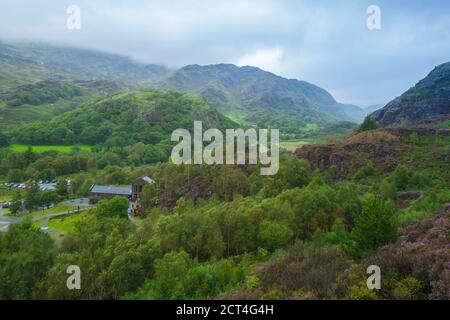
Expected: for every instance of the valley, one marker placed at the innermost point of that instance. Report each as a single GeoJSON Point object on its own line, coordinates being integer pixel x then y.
{"type": "Point", "coordinates": [87, 179]}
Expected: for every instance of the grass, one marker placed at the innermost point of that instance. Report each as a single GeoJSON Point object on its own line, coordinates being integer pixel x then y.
{"type": "Point", "coordinates": [56, 209]}
{"type": "Point", "coordinates": [40, 149]}
{"type": "Point", "coordinates": [292, 145]}
{"type": "Point", "coordinates": [431, 203]}
{"type": "Point", "coordinates": [67, 224]}
{"type": "Point", "coordinates": [7, 194]}
{"type": "Point", "coordinates": [37, 223]}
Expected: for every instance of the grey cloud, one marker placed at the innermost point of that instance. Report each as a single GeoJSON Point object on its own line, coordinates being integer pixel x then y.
{"type": "Point", "coordinates": [324, 42]}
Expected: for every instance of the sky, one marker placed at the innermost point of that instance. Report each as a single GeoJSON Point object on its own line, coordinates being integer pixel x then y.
{"type": "Point", "coordinates": [324, 42]}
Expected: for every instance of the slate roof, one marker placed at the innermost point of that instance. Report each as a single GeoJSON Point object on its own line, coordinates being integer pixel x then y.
{"type": "Point", "coordinates": [125, 191]}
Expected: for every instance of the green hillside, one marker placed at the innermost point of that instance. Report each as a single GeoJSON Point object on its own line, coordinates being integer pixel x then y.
{"type": "Point", "coordinates": [253, 96]}
{"type": "Point", "coordinates": [42, 100]}
{"type": "Point", "coordinates": [24, 63]}
{"type": "Point", "coordinates": [246, 95]}
{"type": "Point", "coordinates": [124, 119]}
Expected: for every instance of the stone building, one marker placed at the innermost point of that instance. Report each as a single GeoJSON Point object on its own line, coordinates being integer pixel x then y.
{"type": "Point", "coordinates": [99, 192]}
{"type": "Point", "coordinates": [132, 192]}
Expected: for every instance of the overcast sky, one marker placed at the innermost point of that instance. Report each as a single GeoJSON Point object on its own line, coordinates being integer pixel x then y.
{"type": "Point", "coordinates": [324, 42]}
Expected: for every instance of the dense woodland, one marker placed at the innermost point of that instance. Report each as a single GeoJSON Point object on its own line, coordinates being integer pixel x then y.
{"type": "Point", "coordinates": [212, 231]}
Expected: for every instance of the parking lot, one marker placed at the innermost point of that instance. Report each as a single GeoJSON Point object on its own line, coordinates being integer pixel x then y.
{"type": "Point", "coordinates": [43, 185]}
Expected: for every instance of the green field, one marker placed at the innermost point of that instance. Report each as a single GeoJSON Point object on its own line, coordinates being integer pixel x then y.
{"type": "Point", "coordinates": [56, 209]}
{"type": "Point", "coordinates": [66, 224]}
{"type": "Point", "coordinates": [292, 145]}
{"type": "Point", "coordinates": [40, 149]}
{"type": "Point", "coordinates": [6, 194]}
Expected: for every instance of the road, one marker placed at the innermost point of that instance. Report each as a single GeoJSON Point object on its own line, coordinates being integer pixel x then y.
{"type": "Point", "coordinates": [6, 221]}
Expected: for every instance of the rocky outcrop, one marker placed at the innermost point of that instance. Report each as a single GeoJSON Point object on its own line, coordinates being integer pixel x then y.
{"type": "Point", "coordinates": [380, 147]}
{"type": "Point", "coordinates": [383, 147]}
{"type": "Point", "coordinates": [429, 98]}
{"type": "Point", "coordinates": [420, 131]}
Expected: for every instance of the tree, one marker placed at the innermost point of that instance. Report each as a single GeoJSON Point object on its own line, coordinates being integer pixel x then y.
{"type": "Point", "coordinates": [65, 165]}
{"type": "Point", "coordinates": [30, 156]}
{"type": "Point", "coordinates": [368, 125]}
{"type": "Point", "coordinates": [26, 255]}
{"type": "Point", "coordinates": [48, 174]}
{"type": "Point", "coordinates": [296, 173]}
{"type": "Point", "coordinates": [136, 154]}
{"type": "Point", "coordinates": [48, 197]}
{"type": "Point", "coordinates": [16, 175]}
{"type": "Point", "coordinates": [16, 203]}
{"type": "Point", "coordinates": [110, 253]}
{"type": "Point", "coordinates": [117, 206]}
{"type": "Point", "coordinates": [32, 197]}
{"type": "Point", "coordinates": [169, 273]}
{"type": "Point", "coordinates": [76, 185]}
{"type": "Point", "coordinates": [149, 195]}
{"type": "Point", "coordinates": [4, 141]}
{"type": "Point", "coordinates": [274, 235]}
{"type": "Point", "coordinates": [374, 226]}
{"type": "Point", "coordinates": [62, 187]}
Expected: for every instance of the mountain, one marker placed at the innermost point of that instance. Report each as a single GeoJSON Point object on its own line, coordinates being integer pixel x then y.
{"type": "Point", "coordinates": [39, 81]}
{"type": "Point", "coordinates": [25, 63]}
{"type": "Point", "coordinates": [251, 95]}
{"type": "Point", "coordinates": [430, 97]}
{"type": "Point", "coordinates": [124, 119]}
{"type": "Point", "coordinates": [247, 95]}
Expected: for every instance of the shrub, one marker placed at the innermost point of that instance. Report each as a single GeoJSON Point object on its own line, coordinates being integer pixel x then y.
{"type": "Point", "coordinates": [368, 125]}
{"type": "Point", "coordinates": [405, 179]}
{"type": "Point", "coordinates": [367, 171]}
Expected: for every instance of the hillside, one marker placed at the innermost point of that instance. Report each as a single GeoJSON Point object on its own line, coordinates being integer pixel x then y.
{"type": "Point", "coordinates": [39, 81]}
{"type": "Point", "coordinates": [42, 100]}
{"type": "Point", "coordinates": [385, 148]}
{"type": "Point", "coordinates": [430, 97]}
{"type": "Point", "coordinates": [247, 95]}
{"type": "Point", "coordinates": [414, 267]}
{"type": "Point", "coordinates": [226, 231]}
{"type": "Point", "coordinates": [25, 63]}
{"type": "Point", "coordinates": [254, 96]}
{"type": "Point", "coordinates": [124, 119]}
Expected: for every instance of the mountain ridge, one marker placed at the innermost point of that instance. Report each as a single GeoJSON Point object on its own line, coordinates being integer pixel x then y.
{"type": "Point", "coordinates": [428, 98]}
{"type": "Point", "coordinates": [49, 62]}
{"type": "Point", "coordinates": [246, 92]}
{"type": "Point", "coordinates": [247, 95]}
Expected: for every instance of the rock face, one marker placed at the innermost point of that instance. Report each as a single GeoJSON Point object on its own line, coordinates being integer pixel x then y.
{"type": "Point", "coordinates": [380, 147]}
{"type": "Point", "coordinates": [429, 98]}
